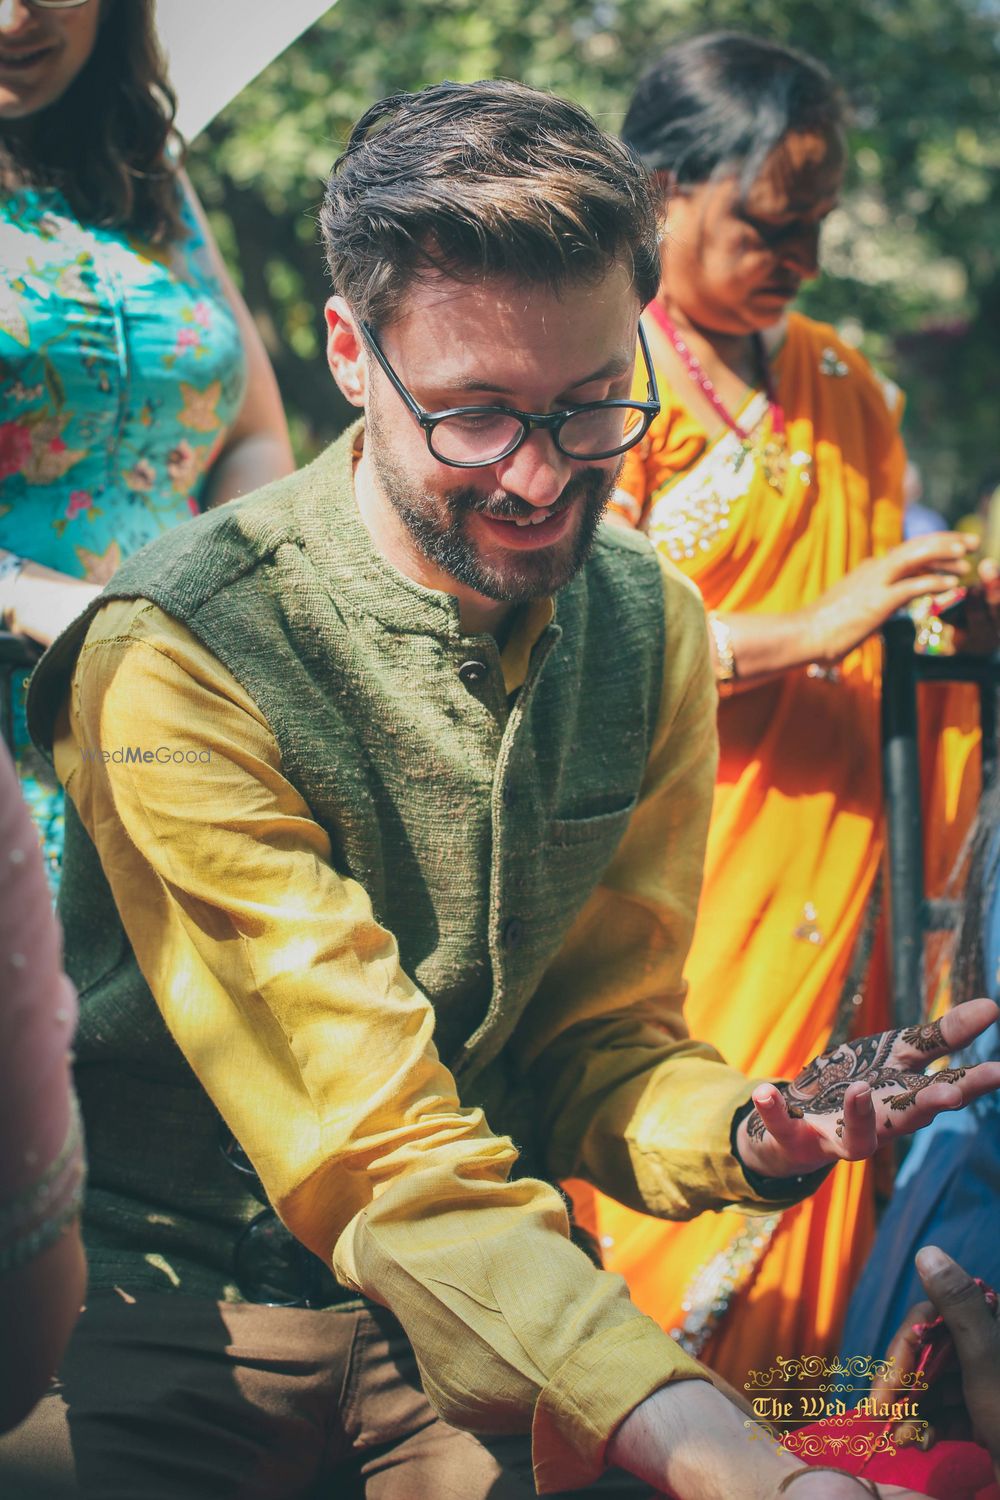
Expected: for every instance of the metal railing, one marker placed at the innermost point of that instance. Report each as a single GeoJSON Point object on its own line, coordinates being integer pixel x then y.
{"type": "Point", "coordinates": [911, 914]}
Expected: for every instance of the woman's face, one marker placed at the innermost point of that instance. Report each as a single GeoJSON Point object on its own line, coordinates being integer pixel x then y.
{"type": "Point", "coordinates": [733, 261]}
{"type": "Point", "coordinates": [41, 52]}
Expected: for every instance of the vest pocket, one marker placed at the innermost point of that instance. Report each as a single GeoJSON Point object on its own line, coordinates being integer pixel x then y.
{"type": "Point", "coordinates": [610, 826]}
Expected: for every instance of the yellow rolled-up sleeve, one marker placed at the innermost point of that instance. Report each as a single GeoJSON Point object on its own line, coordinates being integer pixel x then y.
{"type": "Point", "coordinates": [633, 1104]}
{"type": "Point", "coordinates": [289, 1002]}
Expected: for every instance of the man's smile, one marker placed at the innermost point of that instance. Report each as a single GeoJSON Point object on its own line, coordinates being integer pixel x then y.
{"type": "Point", "coordinates": [541, 529]}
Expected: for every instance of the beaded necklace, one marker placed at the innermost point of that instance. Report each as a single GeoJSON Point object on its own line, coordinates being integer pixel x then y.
{"type": "Point", "coordinates": [771, 455]}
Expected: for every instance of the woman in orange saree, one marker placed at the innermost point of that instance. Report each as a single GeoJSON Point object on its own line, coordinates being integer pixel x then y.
{"type": "Point", "coordinates": [772, 478]}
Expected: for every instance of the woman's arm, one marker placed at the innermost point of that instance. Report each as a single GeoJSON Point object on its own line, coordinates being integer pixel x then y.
{"type": "Point", "coordinates": [853, 609]}
{"type": "Point", "coordinates": [257, 448]}
{"type": "Point", "coordinates": [42, 1267]}
{"type": "Point", "coordinates": [39, 602]}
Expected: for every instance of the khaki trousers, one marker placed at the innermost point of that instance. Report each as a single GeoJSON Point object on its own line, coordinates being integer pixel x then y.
{"type": "Point", "coordinates": [170, 1398]}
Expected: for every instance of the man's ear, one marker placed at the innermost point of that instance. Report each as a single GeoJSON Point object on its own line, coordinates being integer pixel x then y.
{"type": "Point", "coordinates": [345, 351]}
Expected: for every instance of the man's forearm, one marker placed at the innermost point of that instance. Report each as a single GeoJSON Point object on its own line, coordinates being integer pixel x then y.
{"type": "Point", "coordinates": [689, 1441]}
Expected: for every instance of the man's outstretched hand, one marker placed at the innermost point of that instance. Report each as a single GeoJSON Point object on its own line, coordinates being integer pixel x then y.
{"type": "Point", "coordinates": [850, 1101]}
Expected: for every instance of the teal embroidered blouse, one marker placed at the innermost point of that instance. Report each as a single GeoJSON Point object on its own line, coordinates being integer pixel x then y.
{"type": "Point", "coordinates": [121, 373]}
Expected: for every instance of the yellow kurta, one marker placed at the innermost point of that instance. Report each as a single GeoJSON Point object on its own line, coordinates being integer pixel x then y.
{"type": "Point", "coordinates": [290, 1003]}
{"type": "Point", "coordinates": [795, 841]}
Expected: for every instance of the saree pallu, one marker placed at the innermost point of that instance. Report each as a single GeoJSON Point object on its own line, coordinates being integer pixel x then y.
{"type": "Point", "coordinates": [795, 844]}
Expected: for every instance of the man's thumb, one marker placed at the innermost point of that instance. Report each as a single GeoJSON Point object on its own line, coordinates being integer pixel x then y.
{"type": "Point", "coordinates": [954, 1293]}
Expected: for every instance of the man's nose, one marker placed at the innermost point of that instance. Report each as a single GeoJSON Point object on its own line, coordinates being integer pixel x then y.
{"type": "Point", "coordinates": [537, 473]}
{"type": "Point", "coordinates": [13, 15]}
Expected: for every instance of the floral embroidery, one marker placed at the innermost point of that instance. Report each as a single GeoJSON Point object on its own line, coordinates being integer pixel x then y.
{"type": "Point", "coordinates": [80, 503]}
{"type": "Point", "coordinates": [142, 476]}
{"type": "Point", "coordinates": [15, 448]}
{"type": "Point", "coordinates": [185, 464]}
{"type": "Point", "coordinates": [51, 457]}
{"type": "Point", "coordinates": [199, 411]}
{"type": "Point", "coordinates": [99, 567]}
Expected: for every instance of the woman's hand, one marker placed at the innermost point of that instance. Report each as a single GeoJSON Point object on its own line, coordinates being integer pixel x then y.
{"type": "Point", "coordinates": [859, 603]}
{"type": "Point", "coordinates": [852, 1100]}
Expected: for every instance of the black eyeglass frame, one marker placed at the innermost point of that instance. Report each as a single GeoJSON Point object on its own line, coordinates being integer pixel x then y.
{"type": "Point", "coordinates": [552, 422]}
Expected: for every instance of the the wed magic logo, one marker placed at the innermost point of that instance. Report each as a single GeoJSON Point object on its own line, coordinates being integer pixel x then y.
{"type": "Point", "coordinates": [811, 1405]}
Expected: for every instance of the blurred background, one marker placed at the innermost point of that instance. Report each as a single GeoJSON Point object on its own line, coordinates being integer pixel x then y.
{"type": "Point", "coordinates": [912, 258]}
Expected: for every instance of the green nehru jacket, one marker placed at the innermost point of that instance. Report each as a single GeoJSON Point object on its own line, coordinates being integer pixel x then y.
{"type": "Point", "coordinates": [477, 826]}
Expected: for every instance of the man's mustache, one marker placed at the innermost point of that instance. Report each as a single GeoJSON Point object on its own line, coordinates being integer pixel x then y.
{"type": "Point", "coordinates": [504, 507]}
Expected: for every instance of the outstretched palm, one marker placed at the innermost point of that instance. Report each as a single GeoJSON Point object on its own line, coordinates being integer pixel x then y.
{"type": "Point", "coordinates": [849, 1101]}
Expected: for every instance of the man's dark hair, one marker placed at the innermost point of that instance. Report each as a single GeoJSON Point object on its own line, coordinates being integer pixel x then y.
{"type": "Point", "coordinates": [483, 179]}
{"type": "Point", "coordinates": [722, 102]}
{"type": "Point", "coordinates": [104, 143]}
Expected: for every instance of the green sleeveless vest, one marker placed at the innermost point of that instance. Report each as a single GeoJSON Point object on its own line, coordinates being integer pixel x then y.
{"type": "Point", "coordinates": [478, 825]}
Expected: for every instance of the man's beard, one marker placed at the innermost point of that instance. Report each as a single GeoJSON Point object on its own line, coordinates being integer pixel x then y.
{"type": "Point", "coordinates": [436, 522]}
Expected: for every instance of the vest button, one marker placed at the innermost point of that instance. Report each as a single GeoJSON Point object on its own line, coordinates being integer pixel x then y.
{"type": "Point", "coordinates": [472, 672]}
{"type": "Point", "coordinates": [513, 933]}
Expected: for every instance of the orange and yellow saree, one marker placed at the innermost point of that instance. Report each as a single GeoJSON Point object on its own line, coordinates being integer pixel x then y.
{"type": "Point", "coordinates": [782, 953]}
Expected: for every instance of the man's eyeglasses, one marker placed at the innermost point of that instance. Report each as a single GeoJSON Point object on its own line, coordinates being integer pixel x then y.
{"type": "Point", "coordinates": [468, 437]}
{"type": "Point", "coordinates": [57, 4]}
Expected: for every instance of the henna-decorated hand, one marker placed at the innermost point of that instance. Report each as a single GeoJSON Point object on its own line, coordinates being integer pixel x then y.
{"type": "Point", "coordinates": [852, 1100]}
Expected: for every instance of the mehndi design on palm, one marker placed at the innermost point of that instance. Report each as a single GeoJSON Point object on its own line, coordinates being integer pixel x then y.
{"type": "Point", "coordinates": [874, 1060]}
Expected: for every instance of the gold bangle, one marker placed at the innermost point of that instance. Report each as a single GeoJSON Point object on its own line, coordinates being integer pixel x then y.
{"type": "Point", "coordinates": [866, 1484]}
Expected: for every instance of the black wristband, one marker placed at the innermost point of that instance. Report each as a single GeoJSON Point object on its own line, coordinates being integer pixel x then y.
{"type": "Point", "coordinates": [773, 1188]}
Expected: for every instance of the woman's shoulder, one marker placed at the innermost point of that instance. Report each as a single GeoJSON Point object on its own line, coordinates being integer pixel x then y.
{"type": "Point", "coordinates": [838, 361]}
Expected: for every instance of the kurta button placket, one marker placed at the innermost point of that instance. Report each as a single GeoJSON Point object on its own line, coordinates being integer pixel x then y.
{"type": "Point", "coordinates": [473, 672]}
{"type": "Point", "coordinates": [513, 933]}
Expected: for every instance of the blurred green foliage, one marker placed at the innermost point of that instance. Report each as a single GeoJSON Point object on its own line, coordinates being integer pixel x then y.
{"type": "Point", "coordinates": [913, 265]}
